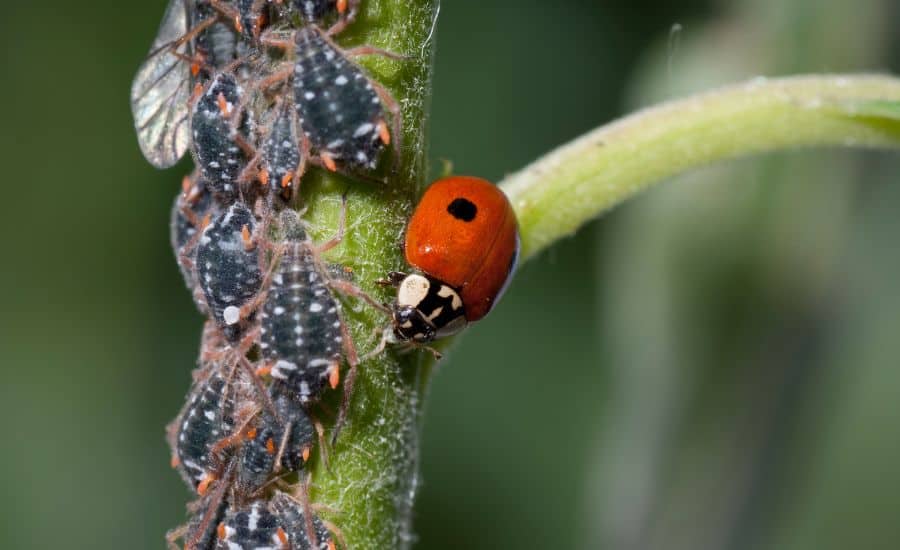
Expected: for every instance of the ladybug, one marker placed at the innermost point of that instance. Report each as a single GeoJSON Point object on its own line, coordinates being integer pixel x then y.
{"type": "Point", "coordinates": [463, 240]}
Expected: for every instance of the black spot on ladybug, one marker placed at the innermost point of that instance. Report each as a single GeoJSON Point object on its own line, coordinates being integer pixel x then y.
{"type": "Point", "coordinates": [462, 209]}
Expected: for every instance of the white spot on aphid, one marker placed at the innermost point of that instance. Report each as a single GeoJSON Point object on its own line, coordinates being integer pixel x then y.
{"type": "Point", "coordinates": [315, 307]}
{"type": "Point", "coordinates": [231, 315]}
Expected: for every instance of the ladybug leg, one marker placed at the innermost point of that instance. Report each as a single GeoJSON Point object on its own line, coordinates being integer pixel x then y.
{"type": "Point", "coordinates": [394, 278]}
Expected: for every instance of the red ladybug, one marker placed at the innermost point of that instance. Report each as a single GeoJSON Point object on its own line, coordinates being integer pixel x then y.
{"type": "Point", "coordinates": [463, 240]}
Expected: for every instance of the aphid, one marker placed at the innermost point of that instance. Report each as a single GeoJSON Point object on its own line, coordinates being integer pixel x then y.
{"type": "Point", "coordinates": [161, 91]}
{"type": "Point", "coordinates": [216, 47]}
{"type": "Point", "coordinates": [206, 419]}
{"type": "Point", "coordinates": [301, 334]}
{"type": "Point", "coordinates": [341, 111]}
{"type": "Point", "coordinates": [463, 239]}
{"type": "Point", "coordinates": [282, 160]}
{"type": "Point", "coordinates": [215, 123]}
{"type": "Point", "coordinates": [192, 207]}
{"type": "Point", "coordinates": [273, 444]}
{"type": "Point", "coordinates": [277, 524]}
{"type": "Point", "coordinates": [228, 268]}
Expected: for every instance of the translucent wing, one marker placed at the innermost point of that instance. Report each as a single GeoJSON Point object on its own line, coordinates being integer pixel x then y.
{"type": "Point", "coordinates": [161, 91]}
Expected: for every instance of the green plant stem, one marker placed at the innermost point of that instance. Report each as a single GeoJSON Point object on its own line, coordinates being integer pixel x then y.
{"type": "Point", "coordinates": [575, 183]}
{"type": "Point", "coordinates": [367, 490]}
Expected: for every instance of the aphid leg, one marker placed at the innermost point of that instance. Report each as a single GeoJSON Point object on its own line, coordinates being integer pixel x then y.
{"type": "Point", "coordinates": [277, 43]}
{"type": "Point", "coordinates": [211, 508]}
{"type": "Point", "coordinates": [229, 13]}
{"type": "Point", "coordinates": [247, 309]}
{"type": "Point", "coordinates": [303, 494]}
{"type": "Point", "coordinates": [259, 387]}
{"type": "Point", "coordinates": [396, 122]}
{"type": "Point", "coordinates": [347, 10]}
{"type": "Point", "coordinates": [372, 50]}
{"type": "Point", "coordinates": [349, 289]}
{"type": "Point", "coordinates": [189, 35]}
{"type": "Point", "coordinates": [339, 235]}
{"type": "Point", "coordinates": [349, 381]}
{"type": "Point", "coordinates": [175, 534]}
{"type": "Point", "coordinates": [282, 445]}
{"type": "Point", "coordinates": [301, 168]}
{"type": "Point", "coordinates": [320, 431]}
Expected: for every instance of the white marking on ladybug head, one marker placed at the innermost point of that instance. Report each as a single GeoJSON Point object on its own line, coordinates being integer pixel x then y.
{"type": "Point", "coordinates": [413, 290]}
{"type": "Point", "coordinates": [447, 292]}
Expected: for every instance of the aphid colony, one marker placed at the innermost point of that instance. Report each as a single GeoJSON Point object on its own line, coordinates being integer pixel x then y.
{"type": "Point", "coordinates": [258, 90]}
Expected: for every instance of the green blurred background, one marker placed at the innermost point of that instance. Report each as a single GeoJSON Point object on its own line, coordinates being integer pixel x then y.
{"type": "Point", "coordinates": [711, 366]}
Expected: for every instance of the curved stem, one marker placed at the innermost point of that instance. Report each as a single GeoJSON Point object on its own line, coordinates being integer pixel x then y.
{"type": "Point", "coordinates": [568, 187]}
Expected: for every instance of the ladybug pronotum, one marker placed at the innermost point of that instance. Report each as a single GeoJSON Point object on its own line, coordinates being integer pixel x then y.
{"type": "Point", "coordinates": [463, 240]}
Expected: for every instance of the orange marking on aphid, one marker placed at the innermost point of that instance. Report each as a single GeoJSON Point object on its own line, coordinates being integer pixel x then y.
{"type": "Point", "coordinates": [305, 453]}
{"type": "Point", "coordinates": [251, 433]}
{"type": "Point", "coordinates": [263, 177]}
{"type": "Point", "coordinates": [195, 68]}
{"type": "Point", "coordinates": [237, 24]}
{"type": "Point", "coordinates": [204, 484]}
{"type": "Point", "coordinates": [331, 545]}
{"type": "Point", "coordinates": [282, 536]}
{"type": "Point", "coordinates": [198, 91]}
{"type": "Point", "coordinates": [328, 162]}
{"type": "Point", "coordinates": [205, 221]}
{"type": "Point", "coordinates": [334, 377]}
{"type": "Point", "coordinates": [263, 371]}
{"type": "Point", "coordinates": [175, 461]}
{"type": "Point", "coordinates": [220, 531]}
{"type": "Point", "coordinates": [383, 133]}
{"type": "Point", "coordinates": [245, 236]}
{"type": "Point", "coordinates": [186, 184]}
{"type": "Point", "coordinates": [286, 180]}
{"type": "Point", "coordinates": [341, 6]}
{"type": "Point", "coordinates": [270, 446]}
{"type": "Point", "coordinates": [223, 104]}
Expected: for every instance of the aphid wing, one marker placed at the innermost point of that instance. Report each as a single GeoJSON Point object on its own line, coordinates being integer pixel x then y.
{"type": "Point", "coordinates": [161, 91]}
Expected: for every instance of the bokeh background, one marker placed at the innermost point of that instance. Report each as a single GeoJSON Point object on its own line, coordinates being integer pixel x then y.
{"type": "Point", "coordinates": [711, 366]}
